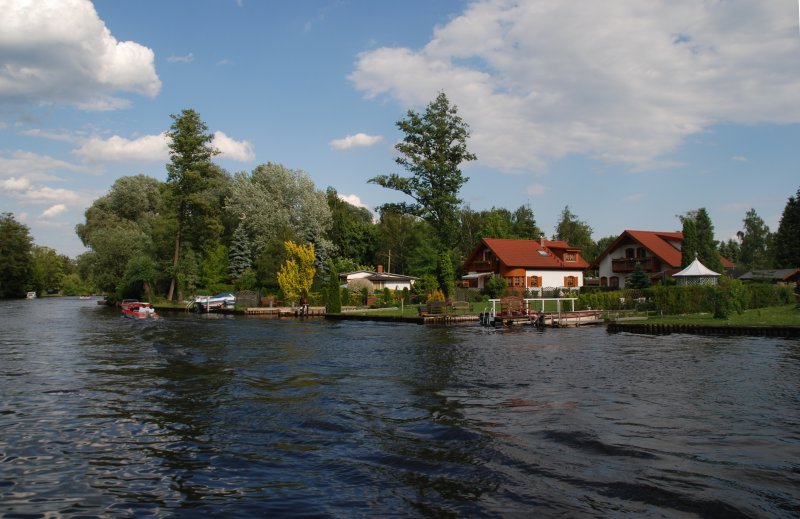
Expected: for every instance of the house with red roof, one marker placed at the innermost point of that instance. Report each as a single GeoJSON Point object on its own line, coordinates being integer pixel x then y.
{"type": "Point", "coordinates": [525, 264]}
{"type": "Point", "coordinates": [659, 253]}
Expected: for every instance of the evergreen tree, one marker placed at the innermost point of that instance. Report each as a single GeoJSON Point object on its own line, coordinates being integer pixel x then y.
{"type": "Point", "coordinates": [698, 240]}
{"type": "Point", "coordinates": [730, 250]}
{"type": "Point", "coordinates": [689, 246]}
{"type": "Point", "coordinates": [189, 174]}
{"type": "Point", "coordinates": [445, 274]}
{"type": "Point", "coordinates": [334, 291]}
{"type": "Point", "coordinates": [787, 239]}
{"type": "Point", "coordinates": [638, 278]}
{"type": "Point", "coordinates": [523, 224]}
{"type": "Point", "coordinates": [239, 256]}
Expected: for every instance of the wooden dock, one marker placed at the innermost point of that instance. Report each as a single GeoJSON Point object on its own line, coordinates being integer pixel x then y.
{"type": "Point", "coordinates": [702, 329]}
{"type": "Point", "coordinates": [285, 311]}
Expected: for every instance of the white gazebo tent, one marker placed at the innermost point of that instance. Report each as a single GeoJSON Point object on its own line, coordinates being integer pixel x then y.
{"type": "Point", "coordinates": [696, 274]}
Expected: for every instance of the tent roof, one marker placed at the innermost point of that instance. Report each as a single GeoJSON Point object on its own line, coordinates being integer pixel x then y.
{"type": "Point", "coordinates": [696, 269]}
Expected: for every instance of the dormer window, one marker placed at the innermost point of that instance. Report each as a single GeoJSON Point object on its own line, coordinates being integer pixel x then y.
{"type": "Point", "coordinates": [569, 256]}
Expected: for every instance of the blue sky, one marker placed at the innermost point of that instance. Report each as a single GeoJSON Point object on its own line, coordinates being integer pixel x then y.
{"type": "Point", "coordinates": [629, 112]}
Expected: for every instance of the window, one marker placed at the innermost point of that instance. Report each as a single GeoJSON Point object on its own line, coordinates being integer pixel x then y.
{"type": "Point", "coordinates": [543, 252]}
{"type": "Point", "coordinates": [630, 253]}
{"type": "Point", "coordinates": [613, 281]}
{"type": "Point", "coordinates": [569, 256]}
{"type": "Point", "coordinates": [535, 281]}
{"type": "Point", "coordinates": [641, 252]}
{"type": "Point", "coordinates": [570, 281]}
{"type": "Point", "coordinates": [603, 281]}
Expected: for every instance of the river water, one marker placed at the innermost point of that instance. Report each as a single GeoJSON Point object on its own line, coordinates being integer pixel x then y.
{"type": "Point", "coordinates": [240, 417]}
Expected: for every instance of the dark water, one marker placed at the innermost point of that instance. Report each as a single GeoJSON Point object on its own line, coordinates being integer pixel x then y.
{"type": "Point", "coordinates": [202, 416]}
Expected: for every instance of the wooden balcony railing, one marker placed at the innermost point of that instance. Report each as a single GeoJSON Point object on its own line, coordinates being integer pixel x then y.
{"type": "Point", "coordinates": [626, 265]}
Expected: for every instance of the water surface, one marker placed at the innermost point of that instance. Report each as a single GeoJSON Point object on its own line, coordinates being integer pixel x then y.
{"type": "Point", "coordinates": [241, 417]}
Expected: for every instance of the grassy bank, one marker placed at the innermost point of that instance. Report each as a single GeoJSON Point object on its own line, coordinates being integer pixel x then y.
{"type": "Point", "coordinates": [786, 315]}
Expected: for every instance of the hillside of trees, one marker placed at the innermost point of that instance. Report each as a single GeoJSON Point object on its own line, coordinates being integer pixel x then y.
{"type": "Point", "coordinates": [205, 230]}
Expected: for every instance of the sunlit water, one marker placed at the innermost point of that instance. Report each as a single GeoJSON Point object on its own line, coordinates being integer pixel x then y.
{"type": "Point", "coordinates": [207, 415]}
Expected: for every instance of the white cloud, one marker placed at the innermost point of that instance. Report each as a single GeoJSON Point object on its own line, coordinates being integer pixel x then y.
{"type": "Point", "coordinates": [59, 51]}
{"type": "Point", "coordinates": [15, 184]}
{"type": "Point", "coordinates": [148, 148]}
{"type": "Point", "coordinates": [353, 200]}
{"type": "Point", "coordinates": [536, 189]}
{"type": "Point", "coordinates": [739, 158]}
{"type": "Point", "coordinates": [634, 197]}
{"type": "Point", "coordinates": [181, 59]}
{"type": "Point", "coordinates": [241, 151]}
{"type": "Point", "coordinates": [54, 210]}
{"type": "Point", "coordinates": [28, 165]}
{"type": "Point", "coordinates": [623, 82]}
{"type": "Point", "coordinates": [355, 141]}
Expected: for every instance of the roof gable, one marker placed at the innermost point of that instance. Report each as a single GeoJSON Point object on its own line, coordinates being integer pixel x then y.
{"type": "Point", "coordinates": [658, 243]}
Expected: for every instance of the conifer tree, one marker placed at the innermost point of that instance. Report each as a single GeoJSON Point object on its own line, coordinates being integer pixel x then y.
{"type": "Point", "coordinates": [334, 292]}
{"type": "Point", "coordinates": [638, 278]}
{"type": "Point", "coordinates": [787, 239]}
{"type": "Point", "coordinates": [239, 258]}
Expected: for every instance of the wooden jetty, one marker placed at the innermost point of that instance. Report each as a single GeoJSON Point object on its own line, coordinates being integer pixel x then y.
{"type": "Point", "coordinates": [702, 329]}
{"type": "Point", "coordinates": [286, 311]}
{"type": "Point", "coordinates": [515, 310]}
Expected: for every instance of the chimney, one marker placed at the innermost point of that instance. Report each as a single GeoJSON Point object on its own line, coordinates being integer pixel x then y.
{"type": "Point", "coordinates": [541, 240]}
{"type": "Point", "coordinates": [380, 269]}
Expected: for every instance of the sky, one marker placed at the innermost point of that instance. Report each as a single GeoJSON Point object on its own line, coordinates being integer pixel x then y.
{"type": "Point", "coordinates": [631, 113]}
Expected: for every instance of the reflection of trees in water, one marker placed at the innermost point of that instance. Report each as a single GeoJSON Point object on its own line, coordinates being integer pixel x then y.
{"type": "Point", "coordinates": [434, 450]}
{"type": "Point", "coordinates": [164, 410]}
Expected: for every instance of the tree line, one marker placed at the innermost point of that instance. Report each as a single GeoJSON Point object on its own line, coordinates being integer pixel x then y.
{"type": "Point", "coordinates": [205, 230]}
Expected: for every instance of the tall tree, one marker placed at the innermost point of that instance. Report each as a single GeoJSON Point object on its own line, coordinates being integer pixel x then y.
{"type": "Point", "coordinates": [432, 150]}
{"type": "Point", "coordinates": [730, 249]}
{"type": "Point", "coordinates": [755, 238]}
{"type": "Point", "coordinates": [47, 269]}
{"type": "Point", "coordinates": [16, 263]}
{"type": "Point", "coordinates": [523, 224]}
{"type": "Point", "coordinates": [575, 232]}
{"type": "Point", "coordinates": [496, 223]}
{"type": "Point", "coordinates": [787, 238]}
{"type": "Point", "coordinates": [188, 175]}
{"type": "Point", "coordinates": [689, 246]}
{"type": "Point", "coordinates": [698, 240]}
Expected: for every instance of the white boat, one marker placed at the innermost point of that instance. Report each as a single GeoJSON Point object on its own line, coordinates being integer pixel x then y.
{"type": "Point", "coordinates": [30, 295]}
{"type": "Point", "coordinates": [217, 302]}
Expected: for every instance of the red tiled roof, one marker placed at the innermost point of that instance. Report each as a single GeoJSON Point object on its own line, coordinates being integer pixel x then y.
{"type": "Point", "coordinates": [657, 243]}
{"type": "Point", "coordinates": [525, 253]}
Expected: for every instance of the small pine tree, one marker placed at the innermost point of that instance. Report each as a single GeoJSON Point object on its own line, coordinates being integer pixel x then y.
{"type": "Point", "coordinates": [638, 278]}
{"type": "Point", "coordinates": [239, 257]}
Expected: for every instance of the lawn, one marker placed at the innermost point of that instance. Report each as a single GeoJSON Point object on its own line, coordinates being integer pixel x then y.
{"type": "Point", "coordinates": [787, 315]}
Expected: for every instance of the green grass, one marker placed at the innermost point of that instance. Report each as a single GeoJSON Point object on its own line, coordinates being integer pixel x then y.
{"type": "Point", "coordinates": [787, 315]}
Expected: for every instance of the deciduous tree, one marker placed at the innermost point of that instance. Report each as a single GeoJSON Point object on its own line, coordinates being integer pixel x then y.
{"type": "Point", "coordinates": [16, 263]}
{"type": "Point", "coordinates": [574, 231]}
{"type": "Point", "coordinates": [755, 238]}
{"type": "Point", "coordinates": [297, 274]}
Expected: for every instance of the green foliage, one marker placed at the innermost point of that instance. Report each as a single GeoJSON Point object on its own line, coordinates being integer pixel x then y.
{"type": "Point", "coordinates": [334, 294]}
{"type": "Point", "coordinates": [698, 240]}
{"type": "Point", "coordinates": [214, 266]}
{"type": "Point", "coordinates": [387, 296]}
{"type": "Point", "coordinates": [277, 204]}
{"type": "Point", "coordinates": [16, 261]}
{"type": "Point", "coordinates": [445, 274]}
{"type": "Point", "coordinates": [247, 280]}
{"type": "Point", "coordinates": [755, 239]}
{"type": "Point", "coordinates": [730, 249]}
{"type": "Point", "coordinates": [73, 285]}
{"type": "Point", "coordinates": [575, 232]}
{"type": "Point", "coordinates": [495, 286]}
{"type": "Point", "coordinates": [352, 231]}
{"type": "Point", "coordinates": [140, 272]}
{"type": "Point", "coordinates": [239, 255]}
{"type": "Point", "coordinates": [638, 278]}
{"type": "Point", "coordinates": [406, 296]}
{"type": "Point", "coordinates": [47, 270]}
{"type": "Point", "coordinates": [432, 150]}
{"type": "Point", "coordinates": [787, 238]}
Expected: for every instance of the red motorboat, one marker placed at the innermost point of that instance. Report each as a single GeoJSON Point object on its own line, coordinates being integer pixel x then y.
{"type": "Point", "coordinates": [138, 310]}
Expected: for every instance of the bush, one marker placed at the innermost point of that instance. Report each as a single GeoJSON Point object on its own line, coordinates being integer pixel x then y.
{"type": "Point", "coordinates": [495, 286]}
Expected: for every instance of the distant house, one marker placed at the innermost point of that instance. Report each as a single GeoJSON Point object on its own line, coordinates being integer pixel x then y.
{"type": "Point", "coordinates": [784, 276]}
{"type": "Point", "coordinates": [525, 264]}
{"type": "Point", "coordinates": [380, 279]}
{"type": "Point", "coordinates": [659, 254]}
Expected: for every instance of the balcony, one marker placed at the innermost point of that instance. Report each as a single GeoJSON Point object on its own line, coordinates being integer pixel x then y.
{"type": "Point", "coordinates": [626, 265]}
{"type": "Point", "coordinates": [481, 266]}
